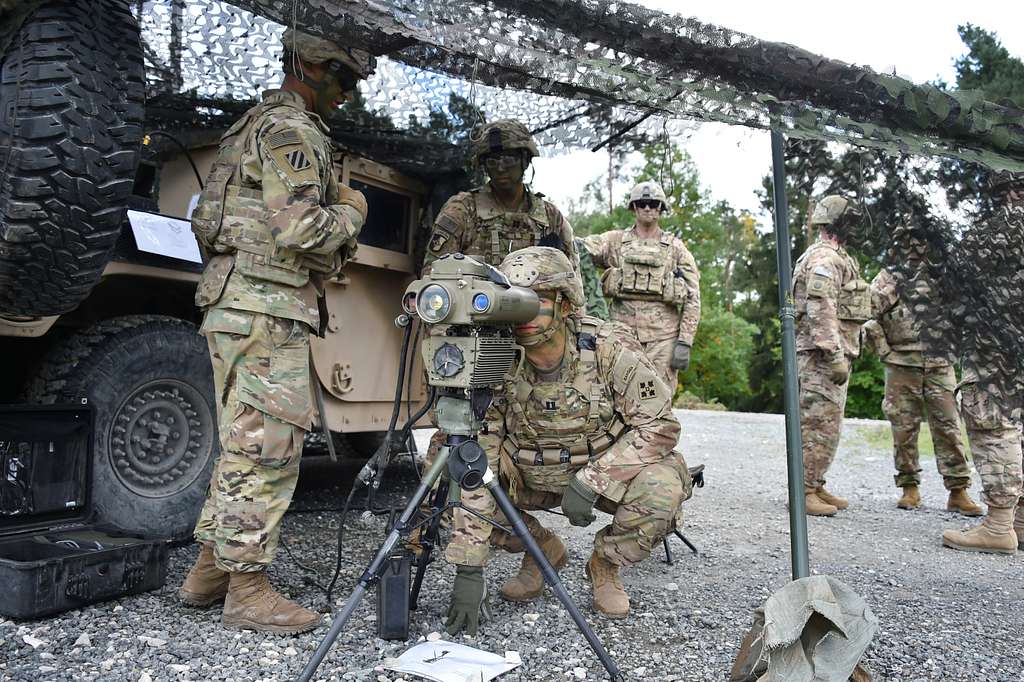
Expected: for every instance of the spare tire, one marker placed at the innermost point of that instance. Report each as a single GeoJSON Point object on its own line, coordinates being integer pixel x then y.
{"type": "Point", "coordinates": [150, 384]}
{"type": "Point", "coordinates": [71, 113]}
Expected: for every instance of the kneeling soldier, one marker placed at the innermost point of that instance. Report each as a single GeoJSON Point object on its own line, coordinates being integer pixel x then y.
{"type": "Point", "coordinates": [586, 422]}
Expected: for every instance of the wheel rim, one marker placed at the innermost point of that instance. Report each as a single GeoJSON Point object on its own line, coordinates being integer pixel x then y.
{"type": "Point", "coordinates": [161, 437]}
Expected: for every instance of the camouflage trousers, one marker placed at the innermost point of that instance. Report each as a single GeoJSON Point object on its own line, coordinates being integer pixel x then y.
{"type": "Point", "coordinates": [261, 375]}
{"type": "Point", "coordinates": [995, 439]}
{"type": "Point", "coordinates": [910, 394]}
{"type": "Point", "coordinates": [648, 511]}
{"type": "Point", "coordinates": [660, 354]}
{"type": "Point", "coordinates": [822, 402]}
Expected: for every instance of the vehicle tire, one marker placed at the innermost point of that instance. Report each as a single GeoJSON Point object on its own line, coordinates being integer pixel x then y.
{"type": "Point", "coordinates": [71, 112]}
{"type": "Point", "coordinates": [150, 384]}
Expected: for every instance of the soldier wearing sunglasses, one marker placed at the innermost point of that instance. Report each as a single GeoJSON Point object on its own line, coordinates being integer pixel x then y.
{"type": "Point", "coordinates": [652, 281]}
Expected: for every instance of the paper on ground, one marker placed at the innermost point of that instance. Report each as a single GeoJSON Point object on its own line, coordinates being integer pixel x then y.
{"type": "Point", "coordinates": [443, 661]}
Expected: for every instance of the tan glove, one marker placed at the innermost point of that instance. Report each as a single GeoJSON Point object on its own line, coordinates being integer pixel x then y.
{"type": "Point", "coordinates": [354, 198]}
{"type": "Point", "coordinates": [839, 367]}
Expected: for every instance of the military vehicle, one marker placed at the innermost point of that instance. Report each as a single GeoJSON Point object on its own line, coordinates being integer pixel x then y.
{"type": "Point", "coordinates": [98, 267]}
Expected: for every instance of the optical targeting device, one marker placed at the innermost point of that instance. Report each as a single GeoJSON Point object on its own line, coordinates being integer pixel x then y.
{"type": "Point", "coordinates": [478, 305]}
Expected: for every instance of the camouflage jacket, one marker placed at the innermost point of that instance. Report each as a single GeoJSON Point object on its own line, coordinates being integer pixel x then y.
{"type": "Point", "coordinates": [900, 342]}
{"type": "Point", "coordinates": [475, 224]}
{"type": "Point", "coordinates": [605, 417]}
{"type": "Point", "coordinates": [596, 305]}
{"type": "Point", "coordinates": [674, 310]}
{"type": "Point", "coordinates": [832, 301]}
{"type": "Point", "coordinates": [278, 207]}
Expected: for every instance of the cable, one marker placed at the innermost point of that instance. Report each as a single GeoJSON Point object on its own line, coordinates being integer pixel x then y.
{"type": "Point", "coordinates": [184, 150]}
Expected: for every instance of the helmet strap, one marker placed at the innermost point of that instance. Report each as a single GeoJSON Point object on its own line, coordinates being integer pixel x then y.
{"type": "Point", "coordinates": [557, 323]}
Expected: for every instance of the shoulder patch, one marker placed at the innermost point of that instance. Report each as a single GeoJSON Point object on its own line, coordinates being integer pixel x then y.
{"type": "Point", "coordinates": [298, 160]}
{"type": "Point", "coordinates": [823, 271]}
{"type": "Point", "coordinates": [647, 390]}
{"type": "Point", "coordinates": [438, 240]}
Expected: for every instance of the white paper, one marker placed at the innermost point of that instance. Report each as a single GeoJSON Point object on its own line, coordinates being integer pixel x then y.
{"type": "Point", "coordinates": [443, 661]}
{"type": "Point", "coordinates": [164, 236]}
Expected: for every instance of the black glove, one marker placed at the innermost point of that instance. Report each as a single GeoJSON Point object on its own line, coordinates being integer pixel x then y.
{"type": "Point", "coordinates": [680, 356]}
{"type": "Point", "coordinates": [468, 605]}
{"type": "Point", "coordinates": [578, 503]}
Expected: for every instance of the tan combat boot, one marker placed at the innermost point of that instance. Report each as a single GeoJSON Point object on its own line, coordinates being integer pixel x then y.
{"type": "Point", "coordinates": [1018, 526]}
{"type": "Point", "coordinates": [205, 584]}
{"type": "Point", "coordinates": [252, 604]}
{"type": "Point", "coordinates": [911, 498]}
{"type": "Point", "coordinates": [529, 582]}
{"type": "Point", "coordinates": [961, 502]}
{"type": "Point", "coordinates": [815, 506]}
{"type": "Point", "coordinates": [995, 534]}
{"type": "Point", "coordinates": [610, 599]}
{"type": "Point", "coordinates": [828, 498]}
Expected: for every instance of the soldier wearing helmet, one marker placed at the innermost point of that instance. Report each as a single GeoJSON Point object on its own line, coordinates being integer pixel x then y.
{"type": "Point", "coordinates": [653, 282]}
{"type": "Point", "coordinates": [832, 302]}
{"type": "Point", "coordinates": [277, 222]}
{"type": "Point", "coordinates": [919, 380]}
{"type": "Point", "coordinates": [504, 215]}
{"type": "Point", "coordinates": [586, 422]}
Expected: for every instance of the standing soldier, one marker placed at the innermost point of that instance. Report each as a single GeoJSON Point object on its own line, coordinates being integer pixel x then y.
{"type": "Point", "coordinates": [832, 301]}
{"type": "Point", "coordinates": [653, 282]}
{"type": "Point", "coordinates": [990, 395]}
{"type": "Point", "coordinates": [504, 215]}
{"type": "Point", "coordinates": [917, 381]}
{"type": "Point", "coordinates": [586, 422]}
{"type": "Point", "coordinates": [596, 305]}
{"type": "Point", "coordinates": [277, 222]}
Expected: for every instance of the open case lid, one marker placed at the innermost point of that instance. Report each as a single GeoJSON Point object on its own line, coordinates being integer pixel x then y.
{"type": "Point", "coordinates": [45, 466]}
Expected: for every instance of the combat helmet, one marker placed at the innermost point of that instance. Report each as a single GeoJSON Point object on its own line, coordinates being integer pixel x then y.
{"type": "Point", "coordinates": [543, 268]}
{"type": "Point", "coordinates": [501, 135]}
{"type": "Point", "coordinates": [648, 189]}
{"type": "Point", "coordinates": [837, 214]}
{"type": "Point", "coordinates": [317, 50]}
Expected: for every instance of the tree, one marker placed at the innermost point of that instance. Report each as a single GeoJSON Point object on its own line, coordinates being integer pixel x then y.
{"type": "Point", "coordinates": [720, 359]}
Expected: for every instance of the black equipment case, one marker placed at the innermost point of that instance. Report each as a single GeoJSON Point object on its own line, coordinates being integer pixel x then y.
{"type": "Point", "coordinates": [51, 558]}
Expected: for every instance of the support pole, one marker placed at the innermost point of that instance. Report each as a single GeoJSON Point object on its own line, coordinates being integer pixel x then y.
{"type": "Point", "coordinates": [791, 395]}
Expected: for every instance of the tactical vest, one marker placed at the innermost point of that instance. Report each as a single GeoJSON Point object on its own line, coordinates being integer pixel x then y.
{"type": "Point", "coordinates": [854, 302]}
{"type": "Point", "coordinates": [232, 219]}
{"type": "Point", "coordinates": [645, 273]}
{"type": "Point", "coordinates": [499, 232]}
{"type": "Point", "coordinates": [554, 429]}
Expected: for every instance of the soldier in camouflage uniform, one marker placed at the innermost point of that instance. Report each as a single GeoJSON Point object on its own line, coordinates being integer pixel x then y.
{"type": "Point", "coordinates": [991, 400]}
{"type": "Point", "coordinates": [917, 382]}
{"type": "Point", "coordinates": [596, 305]}
{"type": "Point", "coordinates": [653, 283]}
{"type": "Point", "coordinates": [832, 301]}
{"type": "Point", "coordinates": [586, 422]}
{"type": "Point", "coordinates": [276, 222]}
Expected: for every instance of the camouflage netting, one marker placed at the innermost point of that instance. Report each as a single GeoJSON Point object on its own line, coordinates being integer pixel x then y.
{"type": "Point", "coordinates": [578, 72]}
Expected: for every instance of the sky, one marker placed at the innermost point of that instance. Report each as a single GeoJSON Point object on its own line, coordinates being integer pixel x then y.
{"type": "Point", "coordinates": [916, 39]}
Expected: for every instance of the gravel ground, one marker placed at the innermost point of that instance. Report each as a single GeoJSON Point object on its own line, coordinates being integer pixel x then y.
{"type": "Point", "coordinates": [944, 615]}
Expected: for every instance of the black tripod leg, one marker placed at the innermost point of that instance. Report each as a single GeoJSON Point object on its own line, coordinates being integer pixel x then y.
{"type": "Point", "coordinates": [550, 576]}
{"type": "Point", "coordinates": [668, 552]}
{"type": "Point", "coordinates": [428, 540]}
{"type": "Point", "coordinates": [686, 541]}
{"type": "Point", "coordinates": [376, 567]}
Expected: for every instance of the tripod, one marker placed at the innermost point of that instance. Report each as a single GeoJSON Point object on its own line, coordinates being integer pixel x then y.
{"type": "Point", "coordinates": [467, 467]}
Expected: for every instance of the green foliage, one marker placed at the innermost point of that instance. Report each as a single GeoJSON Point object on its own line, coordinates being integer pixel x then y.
{"type": "Point", "coordinates": [720, 358]}
{"type": "Point", "coordinates": [989, 67]}
{"type": "Point", "coordinates": [867, 388]}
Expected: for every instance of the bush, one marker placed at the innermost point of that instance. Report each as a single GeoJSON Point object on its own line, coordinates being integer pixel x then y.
{"type": "Point", "coordinates": [720, 360]}
{"type": "Point", "coordinates": [867, 388]}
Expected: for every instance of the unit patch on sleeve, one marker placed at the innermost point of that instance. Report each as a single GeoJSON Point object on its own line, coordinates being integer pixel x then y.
{"type": "Point", "coordinates": [647, 390]}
